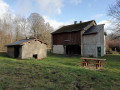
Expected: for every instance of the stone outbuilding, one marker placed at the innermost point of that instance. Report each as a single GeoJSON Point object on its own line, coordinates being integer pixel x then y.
{"type": "Point", "coordinates": [27, 49]}
{"type": "Point", "coordinates": [84, 38]}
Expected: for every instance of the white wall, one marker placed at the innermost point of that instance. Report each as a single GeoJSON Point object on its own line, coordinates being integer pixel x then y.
{"type": "Point", "coordinates": [82, 41]}
{"type": "Point", "coordinates": [34, 47]}
{"type": "Point", "coordinates": [58, 49]}
{"type": "Point", "coordinates": [89, 50]}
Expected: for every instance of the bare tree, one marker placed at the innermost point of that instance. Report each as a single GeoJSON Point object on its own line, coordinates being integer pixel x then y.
{"type": "Point", "coordinates": [21, 28]}
{"type": "Point", "coordinates": [5, 32]}
{"type": "Point", "coordinates": [114, 12]}
{"type": "Point", "coordinates": [37, 24]}
{"type": "Point", "coordinates": [17, 27]}
{"type": "Point", "coordinates": [40, 29]}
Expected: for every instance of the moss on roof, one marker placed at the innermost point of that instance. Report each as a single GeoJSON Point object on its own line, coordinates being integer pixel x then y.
{"type": "Point", "coordinates": [73, 27]}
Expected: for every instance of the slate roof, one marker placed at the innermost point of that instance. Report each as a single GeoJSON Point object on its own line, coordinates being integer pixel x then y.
{"type": "Point", "coordinates": [20, 42]}
{"type": "Point", "coordinates": [73, 27]}
{"type": "Point", "coordinates": [94, 29]}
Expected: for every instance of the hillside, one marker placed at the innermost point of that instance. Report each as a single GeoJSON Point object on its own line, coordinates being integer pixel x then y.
{"type": "Point", "coordinates": [58, 72]}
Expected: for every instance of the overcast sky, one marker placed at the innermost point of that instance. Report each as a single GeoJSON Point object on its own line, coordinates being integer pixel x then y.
{"type": "Point", "coordinates": [60, 12]}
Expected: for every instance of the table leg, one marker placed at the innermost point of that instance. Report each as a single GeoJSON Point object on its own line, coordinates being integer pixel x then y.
{"type": "Point", "coordinates": [96, 66]}
{"type": "Point", "coordinates": [99, 64]}
{"type": "Point", "coordinates": [83, 64]}
{"type": "Point", "coordinates": [86, 62]}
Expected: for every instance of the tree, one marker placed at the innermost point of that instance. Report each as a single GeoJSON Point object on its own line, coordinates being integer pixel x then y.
{"type": "Point", "coordinates": [5, 31]}
{"type": "Point", "coordinates": [17, 28]}
{"type": "Point", "coordinates": [21, 27]}
{"type": "Point", "coordinates": [40, 29]}
{"type": "Point", "coordinates": [114, 12]}
{"type": "Point", "coordinates": [37, 25]}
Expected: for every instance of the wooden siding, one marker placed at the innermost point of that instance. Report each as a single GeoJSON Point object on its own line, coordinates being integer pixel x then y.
{"type": "Point", "coordinates": [71, 38]}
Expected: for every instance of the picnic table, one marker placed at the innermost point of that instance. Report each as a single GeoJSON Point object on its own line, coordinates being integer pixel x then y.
{"type": "Point", "coordinates": [97, 62]}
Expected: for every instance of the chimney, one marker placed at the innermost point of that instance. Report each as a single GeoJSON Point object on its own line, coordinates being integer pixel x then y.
{"type": "Point", "coordinates": [75, 22]}
{"type": "Point", "coordinates": [80, 21]}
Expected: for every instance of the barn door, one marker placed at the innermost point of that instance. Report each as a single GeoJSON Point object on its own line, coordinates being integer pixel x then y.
{"type": "Point", "coordinates": [99, 51]}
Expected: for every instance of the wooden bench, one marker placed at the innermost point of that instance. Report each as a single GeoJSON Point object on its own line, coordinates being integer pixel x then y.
{"type": "Point", "coordinates": [97, 62]}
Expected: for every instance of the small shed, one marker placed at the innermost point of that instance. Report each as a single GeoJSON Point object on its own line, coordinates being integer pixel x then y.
{"type": "Point", "coordinates": [27, 48]}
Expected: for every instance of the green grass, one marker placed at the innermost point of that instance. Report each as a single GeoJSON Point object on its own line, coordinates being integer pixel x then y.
{"type": "Point", "coordinates": [58, 72]}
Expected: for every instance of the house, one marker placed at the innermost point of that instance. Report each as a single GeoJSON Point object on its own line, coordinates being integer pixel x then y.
{"type": "Point", "coordinates": [83, 38]}
{"type": "Point", "coordinates": [27, 48]}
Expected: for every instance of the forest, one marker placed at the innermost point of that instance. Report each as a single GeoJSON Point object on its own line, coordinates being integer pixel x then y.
{"type": "Point", "coordinates": [13, 28]}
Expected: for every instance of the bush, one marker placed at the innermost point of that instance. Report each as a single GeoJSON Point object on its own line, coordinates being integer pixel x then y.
{"type": "Point", "coordinates": [114, 45]}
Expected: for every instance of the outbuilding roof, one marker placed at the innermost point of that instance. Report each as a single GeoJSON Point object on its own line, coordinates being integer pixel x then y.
{"type": "Point", "coordinates": [94, 29]}
{"type": "Point", "coordinates": [73, 27]}
{"type": "Point", "coordinates": [20, 42]}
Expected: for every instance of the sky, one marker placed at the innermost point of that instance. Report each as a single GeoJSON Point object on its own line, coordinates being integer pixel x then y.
{"type": "Point", "coordinates": [60, 12]}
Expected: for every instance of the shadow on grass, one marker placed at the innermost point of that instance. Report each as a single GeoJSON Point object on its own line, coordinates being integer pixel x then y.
{"type": "Point", "coordinates": [3, 54]}
{"type": "Point", "coordinates": [62, 55]}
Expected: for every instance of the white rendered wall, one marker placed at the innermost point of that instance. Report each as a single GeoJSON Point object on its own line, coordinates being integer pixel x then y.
{"type": "Point", "coordinates": [58, 49]}
{"type": "Point", "coordinates": [34, 47]}
{"type": "Point", "coordinates": [91, 42]}
{"type": "Point", "coordinates": [91, 50]}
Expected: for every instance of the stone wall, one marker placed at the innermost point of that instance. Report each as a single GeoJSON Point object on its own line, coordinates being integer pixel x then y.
{"type": "Point", "coordinates": [34, 47]}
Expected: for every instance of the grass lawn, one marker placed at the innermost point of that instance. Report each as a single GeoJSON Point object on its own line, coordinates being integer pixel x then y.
{"type": "Point", "coordinates": [58, 72]}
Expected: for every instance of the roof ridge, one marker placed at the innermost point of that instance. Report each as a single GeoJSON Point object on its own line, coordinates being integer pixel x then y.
{"type": "Point", "coordinates": [80, 23]}
{"type": "Point", "coordinates": [21, 42]}
{"type": "Point", "coordinates": [73, 27]}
